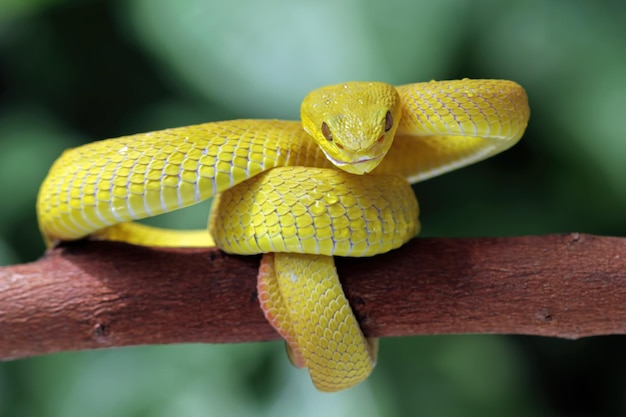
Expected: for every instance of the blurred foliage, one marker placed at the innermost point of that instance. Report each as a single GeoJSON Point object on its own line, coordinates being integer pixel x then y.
{"type": "Point", "coordinates": [75, 71]}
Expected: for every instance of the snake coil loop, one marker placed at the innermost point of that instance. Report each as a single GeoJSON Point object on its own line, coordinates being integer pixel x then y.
{"type": "Point", "coordinates": [334, 184]}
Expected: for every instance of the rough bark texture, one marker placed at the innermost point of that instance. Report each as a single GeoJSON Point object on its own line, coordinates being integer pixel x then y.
{"type": "Point", "coordinates": [89, 295]}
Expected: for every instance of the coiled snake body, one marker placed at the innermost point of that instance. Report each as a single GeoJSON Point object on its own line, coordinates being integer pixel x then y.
{"type": "Point", "coordinates": [296, 191]}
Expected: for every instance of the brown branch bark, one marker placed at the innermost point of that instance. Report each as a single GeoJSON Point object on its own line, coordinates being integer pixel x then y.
{"type": "Point", "coordinates": [89, 295]}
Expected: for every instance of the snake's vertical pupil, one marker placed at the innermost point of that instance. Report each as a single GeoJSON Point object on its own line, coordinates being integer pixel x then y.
{"type": "Point", "coordinates": [388, 121]}
{"type": "Point", "coordinates": [326, 132]}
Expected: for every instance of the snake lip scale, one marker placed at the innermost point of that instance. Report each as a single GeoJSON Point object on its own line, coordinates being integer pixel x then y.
{"type": "Point", "coordinates": [288, 190]}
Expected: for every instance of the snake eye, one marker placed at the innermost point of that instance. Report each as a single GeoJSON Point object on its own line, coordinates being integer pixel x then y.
{"type": "Point", "coordinates": [388, 121]}
{"type": "Point", "coordinates": [326, 132]}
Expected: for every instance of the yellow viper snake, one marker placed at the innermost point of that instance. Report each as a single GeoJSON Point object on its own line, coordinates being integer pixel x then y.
{"type": "Point", "coordinates": [336, 183]}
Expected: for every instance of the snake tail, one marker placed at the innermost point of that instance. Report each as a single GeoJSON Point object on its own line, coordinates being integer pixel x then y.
{"type": "Point", "coordinates": [290, 287]}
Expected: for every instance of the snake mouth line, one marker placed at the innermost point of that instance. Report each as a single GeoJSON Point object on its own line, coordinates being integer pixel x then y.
{"type": "Point", "coordinates": [360, 160]}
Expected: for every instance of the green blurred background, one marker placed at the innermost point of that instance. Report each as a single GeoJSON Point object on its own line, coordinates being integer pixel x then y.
{"type": "Point", "coordinates": [76, 71]}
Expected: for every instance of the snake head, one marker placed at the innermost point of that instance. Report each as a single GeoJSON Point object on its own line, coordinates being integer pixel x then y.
{"type": "Point", "coordinates": [353, 123]}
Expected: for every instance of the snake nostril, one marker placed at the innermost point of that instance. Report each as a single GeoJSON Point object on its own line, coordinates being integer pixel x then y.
{"type": "Point", "coordinates": [339, 145]}
{"type": "Point", "coordinates": [381, 139]}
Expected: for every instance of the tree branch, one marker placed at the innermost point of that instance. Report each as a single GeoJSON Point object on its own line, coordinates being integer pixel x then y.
{"type": "Point", "coordinates": [87, 295]}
